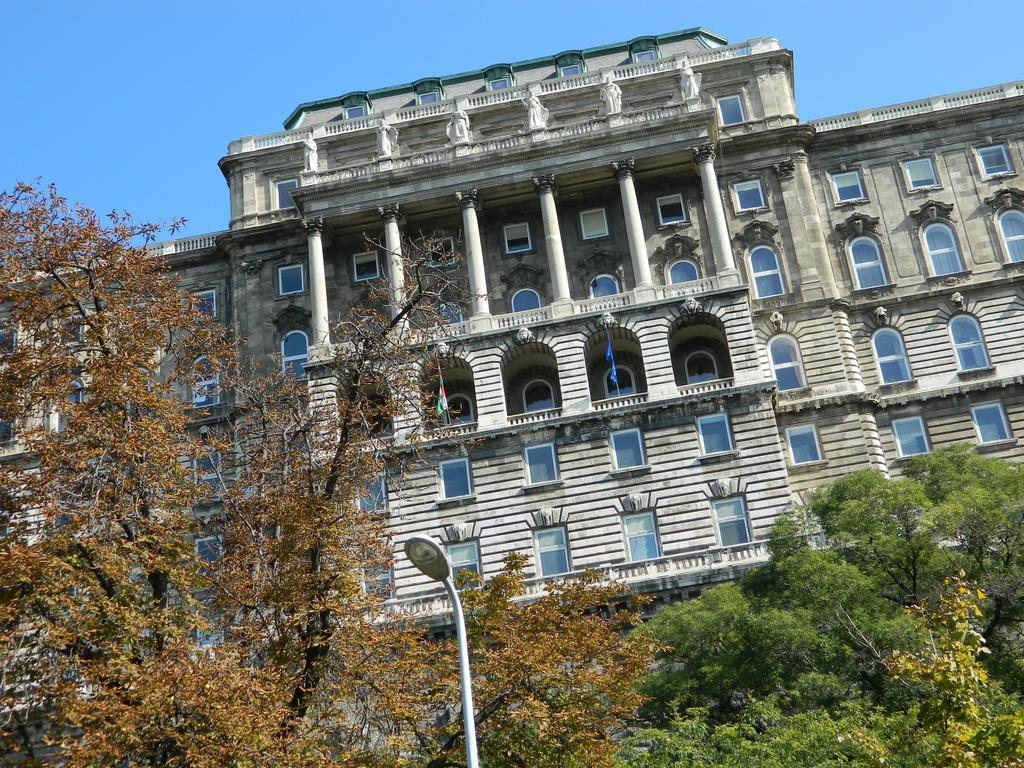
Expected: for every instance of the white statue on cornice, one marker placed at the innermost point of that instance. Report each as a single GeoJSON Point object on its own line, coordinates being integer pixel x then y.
{"type": "Point", "coordinates": [689, 82]}
{"type": "Point", "coordinates": [537, 113]}
{"type": "Point", "coordinates": [611, 95]}
{"type": "Point", "coordinates": [311, 155]}
{"type": "Point", "coordinates": [458, 127]}
{"type": "Point", "coordinates": [387, 138]}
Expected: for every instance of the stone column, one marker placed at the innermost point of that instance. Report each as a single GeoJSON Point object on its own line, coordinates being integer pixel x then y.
{"type": "Point", "coordinates": [320, 320]}
{"type": "Point", "coordinates": [634, 230]}
{"type": "Point", "coordinates": [393, 245]}
{"type": "Point", "coordinates": [714, 209]}
{"type": "Point", "coordinates": [469, 202]}
{"type": "Point", "coordinates": [847, 350]}
{"type": "Point", "coordinates": [561, 303]}
{"type": "Point", "coordinates": [814, 231]}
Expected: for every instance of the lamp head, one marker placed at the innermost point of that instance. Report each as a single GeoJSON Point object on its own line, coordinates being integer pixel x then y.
{"type": "Point", "coordinates": [429, 557]}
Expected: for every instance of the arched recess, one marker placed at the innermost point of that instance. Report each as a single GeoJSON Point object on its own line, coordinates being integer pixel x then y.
{"type": "Point", "coordinates": [629, 363]}
{"type": "Point", "coordinates": [700, 349]}
{"type": "Point", "coordinates": [459, 388]}
{"type": "Point", "coordinates": [525, 368]}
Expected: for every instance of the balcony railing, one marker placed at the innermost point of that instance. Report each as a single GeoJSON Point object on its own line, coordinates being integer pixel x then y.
{"type": "Point", "coordinates": [602, 303]}
{"type": "Point", "coordinates": [534, 416]}
{"type": "Point", "coordinates": [518, 319]}
{"type": "Point", "coordinates": [706, 387]}
{"type": "Point", "coordinates": [620, 402]}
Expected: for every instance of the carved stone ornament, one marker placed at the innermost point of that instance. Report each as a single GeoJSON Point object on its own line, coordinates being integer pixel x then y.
{"type": "Point", "coordinates": [776, 319]}
{"type": "Point", "coordinates": [443, 349]}
{"type": "Point", "coordinates": [468, 198]}
{"type": "Point", "coordinates": [623, 169]}
{"type": "Point", "coordinates": [521, 276]}
{"type": "Point", "coordinates": [722, 487]}
{"type": "Point", "coordinates": [525, 336]}
{"type": "Point", "coordinates": [456, 532]}
{"type": "Point", "coordinates": [881, 316]}
{"type": "Point", "coordinates": [548, 516]}
{"type": "Point", "coordinates": [389, 211]}
{"type": "Point", "coordinates": [958, 300]}
{"type": "Point", "coordinates": [705, 153]}
{"type": "Point", "coordinates": [608, 320]}
{"type": "Point", "coordinates": [313, 225]}
{"type": "Point", "coordinates": [291, 316]}
{"type": "Point", "coordinates": [601, 262]}
{"type": "Point", "coordinates": [784, 169]}
{"type": "Point", "coordinates": [692, 306]}
{"type": "Point", "coordinates": [758, 231]}
{"type": "Point", "coordinates": [545, 182]}
{"type": "Point", "coordinates": [678, 246]}
{"type": "Point", "coordinates": [634, 502]}
{"type": "Point", "coordinates": [932, 210]}
{"type": "Point", "coordinates": [857, 224]}
{"type": "Point", "coordinates": [1006, 198]}
{"type": "Point", "coordinates": [252, 266]}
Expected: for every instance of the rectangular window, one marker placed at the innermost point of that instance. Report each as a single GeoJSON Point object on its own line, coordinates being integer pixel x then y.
{"type": "Point", "coordinates": [380, 582]}
{"type": "Point", "coordinates": [440, 251]}
{"type": "Point", "coordinates": [206, 390]}
{"type": "Point", "coordinates": [990, 423]}
{"type": "Point", "coordinates": [593, 224]}
{"type": "Point", "coordinates": [994, 160]}
{"type": "Point", "coordinates": [748, 195]}
{"type": "Point", "coordinates": [541, 464]}
{"type": "Point", "coordinates": [455, 479]}
{"type": "Point", "coordinates": [731, 521]}
{"type": "Point", "coordinates": [714, 433]}
{"type": "Point", "coordinates": [6, 432]}
{"type": "Point", "coordinates": [430, 97]}
{"type": "Point", "coordinates": [8, 342]}
{"type": "Point", "coordinates": [671, 209]}
{"type": "Point", "coordinates": [847, 186]}
{"type": "Point", "coordinates": [498, 84]}
{"type": "Point", "coordinates": [920, 173]}
{"type": "Point", "coordinates": [206, 302]}
{"type": "Point", "coordinates": [552, 551]}
{"type": "Point", "coordinates": [375, 496]}
{"type": "Point", "coordinates": [351, 112]}
{"type": "Point", "coordinates": [284, 200]}
{"type": "Point", "coordinates": [911, 439]}
{"type": "Point", "coordinates": [627, 449]}
{"type": "Point", "coordinates": [291, 279]}
{"type": "Point", "coordinates": [570, 70]}
{"type": "Point", "coordinates": [365, 266]}
{"type": "Point", "coordinates": [209, 548]}
{"type": "Point", "coordinates": [803, 444]}
{"type": "Point", "coordinates": [641, 536]}
{"type": "Point", "coordinates": [650, 55]}
{"type": "Point", "coordinates": [464, 556]}
{"type": "Point", "coordinates": [730, 110]}
{"type": "Point", "coordinates": [208, 467]}
{"type": "Point", "coordinates": [517, 238]}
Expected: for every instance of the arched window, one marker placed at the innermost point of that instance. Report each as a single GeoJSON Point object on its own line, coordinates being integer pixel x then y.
{"type": "Point", "coordinates": [943, 254]}
{"type": "Point", "coordinates": [868, 271]}
{"type": "Point", "coordinates": [624, 384]}
{"type": "Point", "coordinates": [450, 313]}
{"type": "Point", "coordinates": [891, 356]}
{"type": "Point", "coordinates": [700, 366]}
{"type": "Point", "coordinates": [764, 267]}
{"type": "Point", "coordinates": [603, 285]}
{"type": "Point", "coordinates": [206, 390]}
{"type": "Point", "coordinates": [538, 396]}
{"type": "Point", "coordinates": [460, 410]}
{"type": "Point", "coordinates": [786, 365]}
{"type": "Point", "coordinates": [525, 299]}
{"type": "Point", "coordinates": [294, 353]}
{"type": "Point", "coordinates": [968, 343]}
{"type": "Point", "coordinates": [1011, 227]}
{"type": "Point", "coordinates": [683, 271]}
{"type": "Point", "coordinates": [75, 394]}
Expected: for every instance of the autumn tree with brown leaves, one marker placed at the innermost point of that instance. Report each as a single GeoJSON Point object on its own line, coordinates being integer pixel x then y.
{"type": "Point", "coordinates": [109, 476]}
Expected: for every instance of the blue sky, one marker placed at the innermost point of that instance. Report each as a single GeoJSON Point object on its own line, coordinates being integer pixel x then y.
{"type": "Point", "coordinates": [129, 105]}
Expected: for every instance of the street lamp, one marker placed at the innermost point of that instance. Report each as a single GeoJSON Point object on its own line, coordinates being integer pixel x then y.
{"type": "Point", "coordinates": [429, 557]}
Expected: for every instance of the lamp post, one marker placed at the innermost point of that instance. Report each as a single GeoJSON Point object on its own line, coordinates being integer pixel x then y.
{"type": "Point", "coordinates": [429, 557]}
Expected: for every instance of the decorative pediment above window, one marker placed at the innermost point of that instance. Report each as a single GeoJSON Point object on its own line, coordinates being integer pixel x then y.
{"type": "Point", "coordinates": [522, 276]}
{"type": "Point", "coordinates": [458, 531]}
{"type": "Point", "coordinates": [723, 487]}
{"type": "Point", "coordinates": [857, 224]}
{"type": "Point", "coordinates": [1006, 198]}
{"type": "Point", "coordinates": [548, 516]}
{"type": "Point", "coordinates": [677, 246]}
{"type": "Point", "coordinates": [758, 231]}
{"type": "Point", "coordinates": [636, 502]}
{"type": "Point", "coordinates": [600, 262]}
{"type": "Point", "coordinates": [292, 316]}
{"type": "Point", "coordinates": [932, 210]}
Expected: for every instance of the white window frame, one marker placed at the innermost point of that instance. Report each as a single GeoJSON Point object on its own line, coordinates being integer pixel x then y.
{"type": "Point", "coordinates": [211, 386]}
{"type": "Point", "coordinates": [506, 80]}
{"type": "Point", "coordinates": [691, 262]}
{"type": "Point", "coordinates": [804, 428]}
{"type": "Point", "coordinates": [443, 247]}
{"type": "Point", "coordinates": [888, 358]}
{"type": "Point", "coordinates": [753, 184]}
{"type": "Point", "coordinates": [451, 312]}
{"type": "Point", "coordinates": [1002, 416]}
{"type": "Point", "coordinates": [440, 477]}
{"type": "Point", "coordinates": [739, 102]}
{"type": "Point", "coordinates": [577, 65]}
{"type": "Point", "coordinates": [896, 436]}
{"type": "Point", "coordinates": [932, 254]}
{"type": "Point", "coordinates": [277, 193]}
{"type": "Point", "coordinates": [777, 271]}
{"type": "Point", "coordinates": [209, 296]}
{"type": "Point", "coordinates": [628, 539]}
{"type": "Point", "coordinates": [364, 258]}
{"type": "Point", "coordinates": [674, 198]}
{"type": "Point", "coordinates": [538, 551]}
{"type": "Point", "coordinates": [981, 163]}
{"type": "Point", "coordinates": [1006, 240]}
{"type": "Point", "coordinates": [363, 109]}
{"type": "Point", "coordinates": [798, 364]}
{"type": "Point", "coordinates": [608, 392]}
{"type": "Point", "coordinates": [909, 179]}
{"type": "Point", "coordinates": [201, 541]}
{"type": "Point", "coordinates": [302, 279]}
{"type": "Point", "coordinates": [529, 240]}
{"type": "Point", "coordinates": [435, 93]}
{"type": "Point", "coordinates": [593, 235]}
{"type": "Point", "coordinates": [460, 565]}
{"type": "Point", "coordinates": [854, 267]}
{"type": "Point", "coordinates": [835, 187]}
{"type": "Point", "coordinates": [527, 450]}
{"type": "Point", "coordinates": [615, 453]}
{"type": "Point", "coordinates": [377, 503]}
{"type": "Point", "coordinates": [613, 278]}
{"type": "Point", "coordinates": [717, 520]}
{"type": "Point", "coordinates": [957, 346]}
{"type": "Point", "coordinates": [648, 54]}
{"type": "Point", "coordinates": [551, 389]}
{"type": "Point", "coordinates": [701, 353]}
{"type": "Point", "coordinates": [287, 360]}
{"type": "Point", "coordinates": [701, 420]}
{"type": "Point", "coordinates": [520, 292]}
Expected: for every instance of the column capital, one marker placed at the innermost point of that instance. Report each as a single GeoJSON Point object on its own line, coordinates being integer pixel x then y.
{"type": "Point", "coordinates": [544, 182]}
{"type": "Point", "coordinates": [314, 225]}
{"type": "Point", "coordinates": [623, 169]}
{"type": "Point", "coordinates": [389, 212]}
{"type": "Point", "coordinates": [705, 153]}
{"type": "Point", "coordinates": [468, 198]}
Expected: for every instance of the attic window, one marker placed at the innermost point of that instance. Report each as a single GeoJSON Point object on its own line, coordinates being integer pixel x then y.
{"type": "Point", "coordinates": [570, 64]}
{"type": "Point", "coordinates": [355, 105]}
{"type": "Point", "coordinates": [499, 77]}
{"type": "Point", "coordinates": [428, 90]}
{"type": "Point", "coordinates": [644, 49]}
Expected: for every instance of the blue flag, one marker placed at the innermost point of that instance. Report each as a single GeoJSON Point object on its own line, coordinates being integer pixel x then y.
{"type": "Point", "coordinates": [613, 374]}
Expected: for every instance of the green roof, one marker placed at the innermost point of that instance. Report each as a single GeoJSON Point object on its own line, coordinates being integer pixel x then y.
{"type": "Point", "coordinates": [705, 37]}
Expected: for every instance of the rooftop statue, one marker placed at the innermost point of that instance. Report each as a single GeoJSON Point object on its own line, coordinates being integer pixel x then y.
{"type": "Point", "coordinates": [611, 95]}
{"type": "Point", "coordinates": [310, 154]}
{"type": "Point", "coordinates": [458, 127]}
{"type": "Point", "coordinates": [537, 114]}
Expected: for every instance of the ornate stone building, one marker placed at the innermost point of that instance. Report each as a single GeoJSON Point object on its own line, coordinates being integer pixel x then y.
{"type": "Point", "coordinates": [784, 301]}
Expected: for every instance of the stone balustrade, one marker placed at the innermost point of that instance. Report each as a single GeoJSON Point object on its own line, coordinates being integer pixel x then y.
{"type": "Point", "coordinates": [534, 416]}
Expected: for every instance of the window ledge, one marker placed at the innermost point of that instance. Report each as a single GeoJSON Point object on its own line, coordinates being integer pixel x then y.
{"type": "Point", "coordinates": [884, 288]}
{"type": "Point", "coordinates": [925, 190]}
{"type": "Point", "coordinates": [897, 386]}
{"type": "Point", "coordinates": [753, 211]}
{"type": "Point", "coordinates": [676, 224]}
{"type": "Point", "coordinates": [711, 458]}
{"type": "Point", "coordinates": [998, 176]}
{"type": "Point", "coordinates": [976, 373]}
{"type": "Point", "coordinates": [455, 501]}
{"type": "Point", "coordinates": [1013, 265]}
{"type": "Point", "coordinates": [541, 487]}
{"type": "Point", "coordinates": [807, 466]}
{"type": "Point", "coordinates": [851, 203]}
{"type": "Point", "coordinates": [950, 278]}
{"type": "Point", "coordinates": [797, 393]}
{"type": "Point", "coordinates": [996, 445]}
{"type": "Point", "coordinates": [641, 469]}
{"type": "Point", "coordinates": [899, 460]}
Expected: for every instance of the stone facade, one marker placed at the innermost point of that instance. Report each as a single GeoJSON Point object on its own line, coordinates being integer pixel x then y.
{"type": "Point", "coordinates": [813, 289]}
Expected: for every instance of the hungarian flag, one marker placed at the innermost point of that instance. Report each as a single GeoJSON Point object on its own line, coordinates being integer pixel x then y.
{"type": "Point", "coordinates": [442, 400]}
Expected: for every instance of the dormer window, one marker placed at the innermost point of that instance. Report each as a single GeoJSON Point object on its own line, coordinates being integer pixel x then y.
{"type": "Point", "coordinates": [355, 105]}
{"type": "Point", "coordinates": [499, 77]}
{"type": "Point", "coordinates": [428, 90]}
{"type": "Point", "coordinates": [430, 97]}
{"type": "Point", "coordinates": [570, 64]}
{"type": "Point", "coordinates": [644, 49]}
